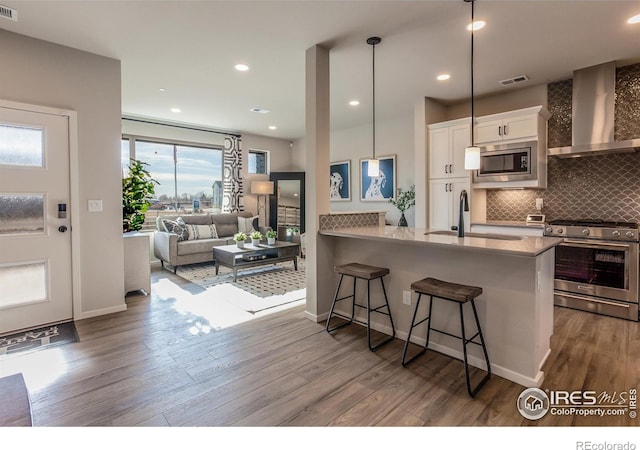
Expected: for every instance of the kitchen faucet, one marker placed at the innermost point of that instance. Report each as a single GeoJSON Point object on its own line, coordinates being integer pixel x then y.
{"type": "Point", "coordinates": [464, 206]}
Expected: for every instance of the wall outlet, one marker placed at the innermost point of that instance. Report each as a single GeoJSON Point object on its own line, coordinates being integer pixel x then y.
{"type": "Point", "coordinates": [539, 204]}
{"type": "Point", "coordinates": [406, 297]}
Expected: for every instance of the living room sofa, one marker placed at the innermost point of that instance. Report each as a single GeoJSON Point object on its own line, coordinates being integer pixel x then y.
{"type": "Point", "coordinates": [177, 249]}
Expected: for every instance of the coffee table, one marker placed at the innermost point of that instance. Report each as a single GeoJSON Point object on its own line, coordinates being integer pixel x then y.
{"type": "Point", "coordinates": [251, 256]}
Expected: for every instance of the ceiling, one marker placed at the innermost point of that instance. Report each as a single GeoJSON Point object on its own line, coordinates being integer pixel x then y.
{"type": "Point", "coordinates": [189, 49]}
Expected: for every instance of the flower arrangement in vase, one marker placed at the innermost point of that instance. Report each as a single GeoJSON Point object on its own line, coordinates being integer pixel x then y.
{"type": "Point", "coordinates": [271, 237]}
{"type": "Point", "coordinates": [404, 200]}
{"type": "Point", "coordinates": [240, 238]}
{"type": "Point", "coordinates": [255, 237]}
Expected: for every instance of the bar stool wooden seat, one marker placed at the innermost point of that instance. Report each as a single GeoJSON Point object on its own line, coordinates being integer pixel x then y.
{"type": "Point", "coordinates": [458, 293]}
{"type": "Point", "coordinates": [368, 273]}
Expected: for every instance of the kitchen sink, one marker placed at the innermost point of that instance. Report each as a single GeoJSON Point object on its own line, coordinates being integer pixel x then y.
{"type": "Point", "coordinates": [503, 237]}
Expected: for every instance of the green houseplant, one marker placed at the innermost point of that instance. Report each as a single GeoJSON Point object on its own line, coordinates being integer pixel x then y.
{"type": "Point", "coordinates": [137, 189]}
{"type": "Point", "coordinates": [404, 200]}
{"type": "Point", "coordinates": [240, 238]}
{"type": "Point", "coordinates": [255, 237]}
{"type": "Point", "coordinates": [271, 237]}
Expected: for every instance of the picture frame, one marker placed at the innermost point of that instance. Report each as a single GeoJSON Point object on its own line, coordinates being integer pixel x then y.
{"type": "Point", "coordinates": [340, 181]}
{"type": "Point", "coordinates": [378, 189]}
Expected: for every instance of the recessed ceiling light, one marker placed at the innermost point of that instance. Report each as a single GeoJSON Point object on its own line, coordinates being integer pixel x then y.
{"type": "Point", "coordinates": [477, 25]}
{"type": "Point", "coordinates": [634, 19]}
{"type": "Point", "coordinates": [162, 89]}
{"type": "Point", "coordinates": [443, 77]}
{"type": "Point", "coordinates": [273, 127]}
{"type": "Point", "coordinates": [241, 67]}
{"type": "Point", "coordinates": [259, 110]}
{"type": "Point", "coordinates": [176, 110]}
{"type": "Point", "coordinates": [354, 102]}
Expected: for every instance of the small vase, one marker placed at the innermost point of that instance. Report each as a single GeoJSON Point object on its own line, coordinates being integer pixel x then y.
{"type": "Point", "coordinates": [240, 244]}
{"type": "Point", "coordinates": [255, 242]}
{"type": "Point", "coordinates": [403, 221]}
{"type": "Point", "coordinates": [271, 241]}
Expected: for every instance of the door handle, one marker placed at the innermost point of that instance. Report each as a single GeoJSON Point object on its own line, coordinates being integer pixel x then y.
{"type": "Point", "coordinates": [504, 130]}
{"type": "Point", "coordinates": [62, 228]}
{"type": "Point", "coordinates": [445, 168]}
{"type": "Point", "coordinates": [500, 131]}
{"type": "Point", "coordinates": [450, 168]}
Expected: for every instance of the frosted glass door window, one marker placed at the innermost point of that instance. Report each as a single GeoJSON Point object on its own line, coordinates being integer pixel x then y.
{"type": "Point", "coordinates": [23, 283]}
{"type": "Point", "coordinates": [21, 214]}
{"type": "Point", "coordinates": [21, 146]}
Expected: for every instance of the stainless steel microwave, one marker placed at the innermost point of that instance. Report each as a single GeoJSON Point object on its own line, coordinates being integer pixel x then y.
{"type": "Point", "coordinates": [508, 162]}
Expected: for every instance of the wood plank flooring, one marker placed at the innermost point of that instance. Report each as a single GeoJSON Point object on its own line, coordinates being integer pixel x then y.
{"type": "Point", "coordinates": [182, 358]}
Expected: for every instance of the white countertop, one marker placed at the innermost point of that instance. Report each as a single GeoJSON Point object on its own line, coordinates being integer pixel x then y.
{"type": "Point", "coordinates": [530, 246]}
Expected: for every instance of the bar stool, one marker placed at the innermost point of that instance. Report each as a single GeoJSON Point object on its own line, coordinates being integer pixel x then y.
{"type": "Point", "coordinates": [363, 272]}
{"type": "Point", "coordinates": [460, 294]}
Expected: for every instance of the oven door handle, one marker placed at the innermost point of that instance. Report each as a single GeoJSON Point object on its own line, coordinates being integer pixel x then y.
{"type": "Point", "coordinates": [595, 300]}
{"type": "Point", "coordinates": [601, 245]}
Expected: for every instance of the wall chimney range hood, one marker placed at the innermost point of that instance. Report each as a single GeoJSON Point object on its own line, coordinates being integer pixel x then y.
{"type": "Point", "coordinates": [593, 112]}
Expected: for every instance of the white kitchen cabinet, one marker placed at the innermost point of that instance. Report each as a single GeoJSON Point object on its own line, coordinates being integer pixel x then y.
{"type": "Point", "coordinates": [519, 125]}
{"type": "Point", "coordinates": [137, 266]}
{"type": "Point", "coordinates": [444, 203]}
{"type": "Point", "coordinates": [447, 141]}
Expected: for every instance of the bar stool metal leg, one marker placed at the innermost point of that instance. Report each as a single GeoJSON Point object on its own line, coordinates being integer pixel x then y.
{"type": "Point", "coordinates": [333, 305]}
{"type": "Point", "coordinates": [373, 348]}
{"type": "Point", "coordinates": [474, 391]}
{"type": "Point", "coordinates": [414, 324]}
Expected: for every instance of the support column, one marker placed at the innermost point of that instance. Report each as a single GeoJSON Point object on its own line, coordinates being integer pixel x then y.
{"type": "Point", "coordinates": [319, 258]}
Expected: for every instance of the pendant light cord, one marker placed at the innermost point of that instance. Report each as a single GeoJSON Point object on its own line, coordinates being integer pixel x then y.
{"type": "Point", "coordinates": [373, 84]}
{"type": "Point", "coordinates": [472, 94]}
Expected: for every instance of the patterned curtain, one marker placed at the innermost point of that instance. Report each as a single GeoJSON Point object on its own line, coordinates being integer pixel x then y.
{"type": "Point", "coordinates": [232, 183]}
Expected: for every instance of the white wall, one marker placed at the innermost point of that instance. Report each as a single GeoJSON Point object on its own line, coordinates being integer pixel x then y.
{"type": "Point", "coordinates": [393, 137]}
{"type": "Point", "coordinates": [42, 73]}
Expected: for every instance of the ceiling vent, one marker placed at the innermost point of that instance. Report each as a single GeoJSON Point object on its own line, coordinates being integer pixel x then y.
{"type": "Point", "coordinates": [514, 80]}
{"type": "Point", "coordinates": [8, 13]}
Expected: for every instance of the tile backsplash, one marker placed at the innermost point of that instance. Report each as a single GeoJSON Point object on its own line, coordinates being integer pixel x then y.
{"type": "Point", "coordinates": [603, 187]}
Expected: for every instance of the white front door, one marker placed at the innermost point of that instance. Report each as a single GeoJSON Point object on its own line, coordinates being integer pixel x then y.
{"type": "Point", "coordinates": [35, 247]}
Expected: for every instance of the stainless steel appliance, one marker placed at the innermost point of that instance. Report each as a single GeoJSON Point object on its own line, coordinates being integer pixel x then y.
{"type": "Point", "coordinates": [596, 266]}
{"type": "Point", "coordinates": [506, 164]}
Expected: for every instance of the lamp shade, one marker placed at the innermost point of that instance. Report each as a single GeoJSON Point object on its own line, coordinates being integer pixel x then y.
{"type": "Point", "coordinates": [472, 158]}
{"type": "Point", "coordinates": [262, 187]}
{"type": "Point", "coordinates": [373, 167]}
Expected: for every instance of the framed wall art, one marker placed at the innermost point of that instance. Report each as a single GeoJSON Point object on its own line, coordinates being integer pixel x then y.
{"type": "Point", "coordinates": [382, 188]}
{"type": "Point", "coordinates": [340, 181]}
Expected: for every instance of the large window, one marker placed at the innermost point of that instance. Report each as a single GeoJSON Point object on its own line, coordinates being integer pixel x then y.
{"type": "Point", "coordinates": [189, 176]}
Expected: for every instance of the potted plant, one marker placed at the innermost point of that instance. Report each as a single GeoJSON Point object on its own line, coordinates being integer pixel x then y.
{"type": "Point", "coordinates": [255, 237]}
{"type": "Point", "coordinates": [271, 237]}
{"type": "Point", "coordinates": [240, 238]}
{"type": "Point", "coordinates": [137, 189]}
{"type": "Point", "coordinates": [404, 200]}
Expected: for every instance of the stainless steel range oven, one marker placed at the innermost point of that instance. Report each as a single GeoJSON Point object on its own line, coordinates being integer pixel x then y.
{"type": "Point", "coordinates": [596, 266]}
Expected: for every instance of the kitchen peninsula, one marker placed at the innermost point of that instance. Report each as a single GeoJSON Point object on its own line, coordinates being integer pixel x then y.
{"type": "Point", "coordinates": [516, 274]}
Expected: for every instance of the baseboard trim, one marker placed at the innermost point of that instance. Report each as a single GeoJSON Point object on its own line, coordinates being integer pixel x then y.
{"type": "Point", "coordinates": [316, 318]}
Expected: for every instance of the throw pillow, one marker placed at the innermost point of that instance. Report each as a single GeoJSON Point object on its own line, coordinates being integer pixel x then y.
{"type": "Point", "coordinates": [178, 227]}
{"type": "Point", "coordinates": [248, 225]}
{"type": "Point", "coordinates": [202, 232]}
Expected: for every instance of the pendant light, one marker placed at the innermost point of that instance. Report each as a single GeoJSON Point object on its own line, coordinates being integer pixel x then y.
{"type": "Point", "coordinates": [373, 165]}
{"type": "Point", "coordinates": [472, 153]}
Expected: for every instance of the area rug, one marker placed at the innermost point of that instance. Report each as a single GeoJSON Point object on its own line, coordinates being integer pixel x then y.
{"type": "Point", "coordinates": [38, 338]}
{"type": "Point", "coordinates": [265, 286]}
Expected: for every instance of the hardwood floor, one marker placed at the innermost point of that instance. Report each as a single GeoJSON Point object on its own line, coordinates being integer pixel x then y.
{"type": "Point", "coordinates": [182, 358]}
